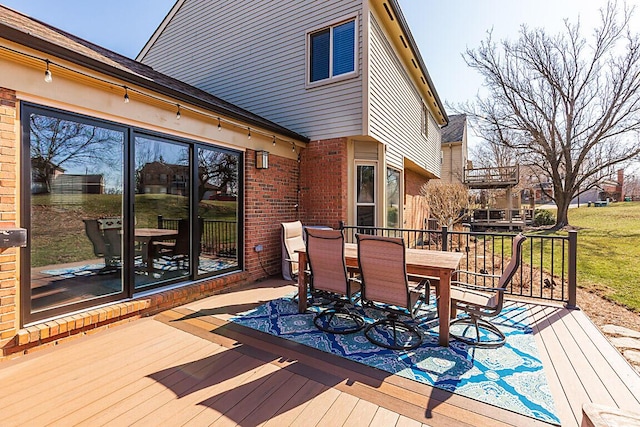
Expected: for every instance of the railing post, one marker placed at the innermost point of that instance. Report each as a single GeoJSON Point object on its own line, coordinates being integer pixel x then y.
{"type": "Point", "coordinates": [572, 271]}
{"type": "Point", "coordinates": [341, 225]}
{"type": "Point", "coordinates": [160, 224]}
{"type": "Point", "coordinates": [445, 238]}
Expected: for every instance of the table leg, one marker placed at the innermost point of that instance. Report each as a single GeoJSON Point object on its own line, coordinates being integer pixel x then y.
{"type": "Point", "coordinates": [444, 307]}
{"type": "Point", "coordinates": [302, 282]}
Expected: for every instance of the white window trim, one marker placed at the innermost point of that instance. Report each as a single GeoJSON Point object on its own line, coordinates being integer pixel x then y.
{"type": "Point", "coordinates": [332, 79]}
{"type": "Point", "coordinates": [376, 190]}
{"type": "Point", "coordinates": [400, 198]}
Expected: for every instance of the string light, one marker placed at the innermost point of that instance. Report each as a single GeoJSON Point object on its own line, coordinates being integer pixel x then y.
{"type": "Point", "coordinates": [47, 73]}
{"type": "Point", "coordinates": [48, 77]}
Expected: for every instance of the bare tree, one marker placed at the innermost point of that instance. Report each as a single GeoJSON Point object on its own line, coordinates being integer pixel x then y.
{"type": "Point", "coordinates": [571, 107]}
{"type": "Point", "coordinates": [57, 143]}
{"type": "Point", "coordinates": [448, 201]}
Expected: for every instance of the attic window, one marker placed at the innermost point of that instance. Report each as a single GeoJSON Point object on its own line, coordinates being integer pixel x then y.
{"type": "Point", "coordinates": [332, 51]}
{"type": "Point", "coordinates": [425, 120]}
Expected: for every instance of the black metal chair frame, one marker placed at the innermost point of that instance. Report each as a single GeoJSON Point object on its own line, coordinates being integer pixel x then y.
{"type": "Point", "coordinates": [477, 312]}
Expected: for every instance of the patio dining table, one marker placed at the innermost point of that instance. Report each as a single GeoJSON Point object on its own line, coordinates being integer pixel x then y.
{"type": "Point", "coordinates": [439, 265]}
{"type": "Point", "coordinates": [146, 236]}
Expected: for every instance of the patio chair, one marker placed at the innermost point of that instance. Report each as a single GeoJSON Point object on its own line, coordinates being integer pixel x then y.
{"type": "Point", "coordinates": [328, 279]}
{"type": "Point", "coordinates": [481, 302]}
{"type": "Point", "coordinates": [177, 251]}
{"type": "Point", "coordinates": [102, 247]}
{"type": "Point", "coordinates": [291, 242]}
{"type": "Point", "coordinates": [385, 286]}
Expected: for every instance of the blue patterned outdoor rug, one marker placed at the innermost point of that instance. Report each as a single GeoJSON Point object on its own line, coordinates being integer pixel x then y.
{"type": "Point", "coordinates": [510, 377]}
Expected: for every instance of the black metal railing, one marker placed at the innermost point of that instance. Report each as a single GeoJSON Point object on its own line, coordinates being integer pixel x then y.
{"type": "Point", "coordinates": [548, 263]}
{"type": "Point", "coordinates": [217, 238]}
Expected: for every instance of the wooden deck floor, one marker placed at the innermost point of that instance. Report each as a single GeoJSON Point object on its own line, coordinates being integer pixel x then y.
{"type": "Point", "coordinates": [188, 366]}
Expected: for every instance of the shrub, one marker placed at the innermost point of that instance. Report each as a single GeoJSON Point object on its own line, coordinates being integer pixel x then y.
{"type": "Point", "coordinates": [543, 217]}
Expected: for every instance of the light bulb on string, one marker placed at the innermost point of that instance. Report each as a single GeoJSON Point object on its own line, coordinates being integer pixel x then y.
{"type": "Point", "coordinates": [47, 73]}
{"type": "Point", "coordinates": [126, 95]}
{"type": "Point", "coordinates": [178, 115]}
{"type": "Point", "coordinates": [274, 141]}
{"type": "Point", "coordinates": [219, 125]}
{"type": "Point", "coordinates": [249, 134]}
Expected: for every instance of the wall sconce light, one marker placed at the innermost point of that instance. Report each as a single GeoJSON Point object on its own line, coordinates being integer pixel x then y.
{"type": "Point", "coordinates": [262, 160]}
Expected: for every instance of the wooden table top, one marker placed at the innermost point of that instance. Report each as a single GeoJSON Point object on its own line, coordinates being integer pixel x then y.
{"type": "Point", "coordinates": [417, 257]}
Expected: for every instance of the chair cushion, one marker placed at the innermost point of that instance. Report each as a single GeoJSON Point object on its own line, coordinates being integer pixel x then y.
{"type": "Point", "coordinates": [472, 297]}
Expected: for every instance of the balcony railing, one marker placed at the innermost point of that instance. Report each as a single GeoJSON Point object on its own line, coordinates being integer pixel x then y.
{"type": "Point", "coordinates": [548, 264]}
{"type": "Point", "coordinates": [218, 238]}
{"type": "Point", "coordinates": [492, 177]}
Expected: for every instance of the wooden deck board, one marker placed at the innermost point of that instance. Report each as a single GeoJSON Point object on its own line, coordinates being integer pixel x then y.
{"type": "Point", "coordinates": [189, 366]}
{"type": "Point", "coordinates": [560, 398]}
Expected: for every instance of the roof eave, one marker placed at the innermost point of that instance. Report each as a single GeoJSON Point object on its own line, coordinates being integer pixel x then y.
{"type": "Point", "coordinates": [416, 52]}
{"type": "Point", "coordinates": [14, 35]}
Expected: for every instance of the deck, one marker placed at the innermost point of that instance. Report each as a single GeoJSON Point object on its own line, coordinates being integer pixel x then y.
{"type": "Point", "coordinates": [189, 366]}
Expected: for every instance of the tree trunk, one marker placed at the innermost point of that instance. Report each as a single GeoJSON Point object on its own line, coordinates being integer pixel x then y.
{"type": "Point", "coordinates": [562, 216]}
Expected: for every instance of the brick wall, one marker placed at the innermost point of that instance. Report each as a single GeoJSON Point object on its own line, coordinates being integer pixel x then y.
{"type": "Point", "coordinates": [323, 182]}
{"type": "Point", "coordinates": [271, 196]}
{"type": "Point", "coordinates": [8, 160]}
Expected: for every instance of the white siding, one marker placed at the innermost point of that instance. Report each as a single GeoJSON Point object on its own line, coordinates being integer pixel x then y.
{"type": "Point", "coordinates": [253, 54]}
{"type": "Point", "coordinates": [395, 108]}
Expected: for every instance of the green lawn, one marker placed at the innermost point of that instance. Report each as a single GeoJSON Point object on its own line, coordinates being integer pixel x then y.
{"type": "Point", "coordinates": [609, 251]}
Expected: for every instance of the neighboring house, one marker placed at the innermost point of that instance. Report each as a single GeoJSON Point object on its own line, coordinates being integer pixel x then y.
{"type": "Point", "coordinates": [454, 149]}
{"type": "Point", "coordinates": [345, 73]}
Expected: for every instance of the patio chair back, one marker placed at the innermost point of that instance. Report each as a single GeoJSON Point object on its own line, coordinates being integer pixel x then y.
{"type": "Point", "coordinates": [95, 237]}
{"type": "Point", "coordinates": [291, 241]}
{"type": "Point", "coordinates": [325, 252]}
{"type": "Point", "coordinates": [514, 263]}
{"type": "Point", "coordinates": [383, 269]}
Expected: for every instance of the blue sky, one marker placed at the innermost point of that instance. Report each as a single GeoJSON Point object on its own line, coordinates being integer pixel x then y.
{"type": "Point", "coordinates": [441, 29]}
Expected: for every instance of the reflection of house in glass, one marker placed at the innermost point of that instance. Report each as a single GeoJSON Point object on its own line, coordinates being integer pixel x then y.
{"type": "Point", "coordinates": [77, 184]}
{"type": "Point", "coordinates": [52, 179]}
{"type": "Point", "coordinates": [164, 178]}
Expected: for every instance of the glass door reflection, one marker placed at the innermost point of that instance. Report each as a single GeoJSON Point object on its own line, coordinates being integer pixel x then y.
{"type": "Point", "coordinates": [218, 210]}
{"type": "Point", "coordinates": [162, 234]}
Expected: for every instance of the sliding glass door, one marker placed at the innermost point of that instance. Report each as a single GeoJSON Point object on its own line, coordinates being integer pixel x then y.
{"type": "Point", "coordinates": [74, 212]}
{"type": "Point", "coordinates": [113, 210]}
{"type": "Point", "coordinates": [218, 209]}
{"type": "Point", "coordinates": [162, 219]}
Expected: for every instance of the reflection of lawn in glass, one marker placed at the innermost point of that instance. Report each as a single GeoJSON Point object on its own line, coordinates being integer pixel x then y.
{"type": "Point", "coordinates": [57, 230]}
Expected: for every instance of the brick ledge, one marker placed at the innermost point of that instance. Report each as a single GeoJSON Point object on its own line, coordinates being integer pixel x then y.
{"type": "Point", "coordinates": [54, 332]}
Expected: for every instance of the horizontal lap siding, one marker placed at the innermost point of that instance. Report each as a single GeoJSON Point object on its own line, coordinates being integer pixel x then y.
{"type": "Point", "coordinates": [253, 54]}
{"type": "Point", "coordinates": [396, 108]}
